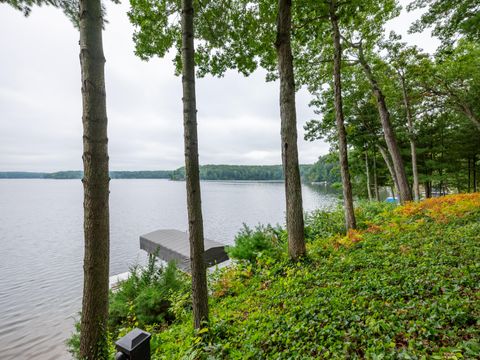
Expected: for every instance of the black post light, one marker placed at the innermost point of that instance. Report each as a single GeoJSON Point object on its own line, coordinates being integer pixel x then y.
{"type": "Point", "coordinates": [134, 346]}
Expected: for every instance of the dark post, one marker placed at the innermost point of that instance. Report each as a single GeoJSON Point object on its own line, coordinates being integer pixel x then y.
{"type": "Point", "coordinates": [134, 346]}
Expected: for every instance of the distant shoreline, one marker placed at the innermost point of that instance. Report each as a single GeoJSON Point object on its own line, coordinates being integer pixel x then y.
{"type": "Point", "coordinates": [77, 175]}
{"type": "Point", "coordinates": [207, 172]}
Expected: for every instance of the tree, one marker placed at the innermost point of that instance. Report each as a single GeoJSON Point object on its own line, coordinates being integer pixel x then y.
{"type": "Point", "coordinates": [449, 18]}
{"type": "Point", "coordinates": [293, 188]}
{"type": "Point", "coordinates": [319, 64]}
{"type": "Point", "coordinates": [93, 329]}
{"type": "Point", "coordinates": [388, 131]}
{"type": "Point", "coordinates": [405, 62]}
{"type": "Point", "coordinates": [364, 132]}
{"type": "Point", "coordinates": [192, 172]}
{"type": "Point", "coordinates": [235, 35]}
{"type": "Point", "coordinates": [454, 80]}
{"type": "Point", "coordinates": [87, 15]}
{"type": "Point", "coordinates": [155, 34]}
{"type": "Point", "coordinates": [350, 222]}
{"type": "Point", "coordinates": [362, 36]}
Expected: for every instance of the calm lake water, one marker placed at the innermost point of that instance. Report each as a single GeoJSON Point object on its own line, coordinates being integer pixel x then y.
{"type": "Point", "coordinates": [41, 244]}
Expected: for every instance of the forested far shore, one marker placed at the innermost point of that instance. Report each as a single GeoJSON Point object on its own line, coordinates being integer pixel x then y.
{"type": "Point", "coordinates": [320, 171]}
{"type": "Point", "coordinates": [241, 172]}
{"type": "Point", "coordinates": [75, 174]}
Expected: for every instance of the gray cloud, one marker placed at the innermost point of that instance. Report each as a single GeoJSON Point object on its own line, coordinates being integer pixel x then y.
{"type": "Point", "coordinates": [40, 102]}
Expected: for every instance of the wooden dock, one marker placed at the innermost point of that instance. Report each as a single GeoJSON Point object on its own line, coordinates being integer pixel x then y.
{"type": "Point", "coordinates": [170, 244]}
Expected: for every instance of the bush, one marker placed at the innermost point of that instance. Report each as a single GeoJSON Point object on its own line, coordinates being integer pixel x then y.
{"type": "Point", "coordinates": [250, 243]}
{"type": "Point", "coordinates": [324, 224]}
{"type": "Point", "coordinates": [145, 296]}
{"type": "Point", "coordinates": [368, 212]}
{"type": "Point", "coordinates": [321, 224]}
{"type": "Point", "coordinates": [146, 299]}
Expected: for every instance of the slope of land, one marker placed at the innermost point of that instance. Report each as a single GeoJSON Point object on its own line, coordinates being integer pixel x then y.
{"type": "Point", "coordinates": [405, 286]}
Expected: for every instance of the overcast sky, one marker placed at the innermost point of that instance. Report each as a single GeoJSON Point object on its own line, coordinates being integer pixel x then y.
{"type": "Point", "coordinates": [40, 101]}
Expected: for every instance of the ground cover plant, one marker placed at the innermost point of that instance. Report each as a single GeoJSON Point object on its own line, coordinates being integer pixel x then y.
{"type": "Point", "coordinates": [406, 285]}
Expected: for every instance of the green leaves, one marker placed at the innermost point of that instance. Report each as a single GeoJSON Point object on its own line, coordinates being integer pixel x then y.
{"type": "Point", "coordinates": [157, 26]}
{"type": "Point", "coordinates": [449, 18]}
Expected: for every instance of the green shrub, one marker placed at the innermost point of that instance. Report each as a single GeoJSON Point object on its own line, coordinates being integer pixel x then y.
{"type": "Point", "coordinates": [146, 299]}
{"type": "Point", "coordinates": [367, 212]}
{"type": "Point", "coordinates": [145, 296]}
{"type": "Point", "coordinates": [324, 224]}
{"type": "Point", "coordinates": [250, 243]}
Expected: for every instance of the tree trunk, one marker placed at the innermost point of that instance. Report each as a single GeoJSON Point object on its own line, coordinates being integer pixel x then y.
{"type": "Point", "coordinates": [350, 222]}
{"type": "Point", "coordinates": [411, 136]}
{"type": "Point", "coordinates": [375, 177]}
{"type": "Point", "coordinates": [386, 157]}
{"type": "Point", "coordinates": [293, 187]}
{"type": "Point", "coordinates": [192, 173]}
{"type": "Point", "coordinates": [471, 115]}
{"type": "Point", "coordinates": [428, 189]}
{"type": "Point", "coordinates": [389, 134]}
{"type": "Point", "coordinates": [469, 180]}
{"type": "Point", "coordinates": [93, 326]}
{"type": "Point", "coordinates": [367, 169]}
{"type": "Point", "coordinates": [474, 167]}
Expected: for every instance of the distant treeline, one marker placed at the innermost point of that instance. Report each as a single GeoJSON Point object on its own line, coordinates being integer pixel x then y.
{"type": "Point", "coordinates": [240, 172]}
{"type": "Point", "coordinates": [326, 169]}
{"type": "Point", "coordinates": [158, 174]}
{"type": "Point", "coordinates": [322, 170]}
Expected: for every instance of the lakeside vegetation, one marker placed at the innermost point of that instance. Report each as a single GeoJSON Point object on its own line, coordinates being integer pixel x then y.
{"type": "Point", "coordinates": [405, 285]}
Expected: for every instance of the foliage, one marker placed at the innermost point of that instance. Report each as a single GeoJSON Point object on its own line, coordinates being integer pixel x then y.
{"type": "Point", "coordinates": [240, 172]}
{"type": "Point", "coordinates": [323, 224]}
{"type": "Point", "coordinates": [449, 18]}
{"type": "Point", "coordinates": [144, 298]}
{"type": "Point", "coordinates": [402, 287]}
{"type": "Point", "coordinates": [325, 169]}
{"type": "Point", "coordinates": [150, 298]}
{"type": "Point", "coordinates": [252, 243]}
{"type": "Point", "coordinates": [142, 174]}
{"type": "Point", "coordinates": [73, 343]}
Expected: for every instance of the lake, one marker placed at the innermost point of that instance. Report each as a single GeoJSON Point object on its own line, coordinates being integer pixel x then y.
{"type": "Point", "coordinates": [41, 244]}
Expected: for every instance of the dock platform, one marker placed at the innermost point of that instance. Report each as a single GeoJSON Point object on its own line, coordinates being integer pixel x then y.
{"type": "Point", "coordinates": [170, 244]}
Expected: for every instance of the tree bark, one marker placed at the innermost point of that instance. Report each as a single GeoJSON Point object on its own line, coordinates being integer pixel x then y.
{"type": "Point", "coordinates": [469, 181]}
{"type": "Point", "coordinates": [474, 167]}
{"type": "Point", "coordinates": [388, 162]}
{"type": "Point", "coordinates": [288, 115]}
{"type": "Point", "coordinates": [390, 138]}
{"type": "Point", "coordinates": [471, 115]}
{"type": "Point", "coordinates": [411, 136]}
{"type": "Point", "coordinates": [350, 222]}
{"type": "Point", "coordinates": [375, 177]}
{"type": "Point", "coordinates": [367, 169]}
{"type": "Point", "coordinates": [93, 326]}
{"type": "Point", "coordinates": [428, 189]}
{"type": "Point", "coordinates": [192, 172]}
